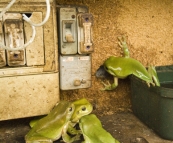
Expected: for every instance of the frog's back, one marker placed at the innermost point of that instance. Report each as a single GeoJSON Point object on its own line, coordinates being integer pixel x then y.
{"type": "Point", "coordinates": [93, 131]}
{"type": "Point", "coordinates": [52, 125]}
{"type": "Point", "coordinates": [124, 67]}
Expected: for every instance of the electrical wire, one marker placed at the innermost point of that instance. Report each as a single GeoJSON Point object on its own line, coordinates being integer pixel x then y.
{"type": "Point", "coordinates": [45, 19]}
{"type": "Point", "coordinates": [7, 8]}
{"type": "Point", "coordinates": [33, 25]}
{"type": "Point", "coordinates": [23, 46]}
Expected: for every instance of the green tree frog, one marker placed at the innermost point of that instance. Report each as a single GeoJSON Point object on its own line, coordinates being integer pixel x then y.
{"type": "Point", "coordinates": [121, 67]}
{"type": "Point", "coordinates": [93, 132]}
{"type": "Point", "coordinates": [53, 126]}
{"type": "Point", "coordinates": [82, 108]}
{"type": "Point", "coordinates": [58, 122]}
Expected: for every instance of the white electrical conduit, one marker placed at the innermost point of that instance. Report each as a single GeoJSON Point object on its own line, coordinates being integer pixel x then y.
{"type": "Point", "coordinates": [27, 20]}
{"type": "Point", "coordinates": [45, 19]}
{"type": "Point", "coordinates": [23, 46]}
{"type": "Point", "coordinates": [7, 8]}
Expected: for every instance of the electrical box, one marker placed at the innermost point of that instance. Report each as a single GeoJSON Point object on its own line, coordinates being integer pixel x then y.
{"type": "Point", "coordinates": [29, 77]}
{"type": "Point", "coordinates": [75, 72]}
{"type": "Point", "coordinates": [67, 28]}
{"type": "Point", "coordinates": [75, 46]}
{"type": "Point", "coordinates": [75, 30]}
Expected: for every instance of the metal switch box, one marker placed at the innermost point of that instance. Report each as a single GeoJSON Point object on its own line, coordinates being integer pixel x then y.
{"type": "Point", "coordinates": [75, 30]}
{"type": "Point", "coordinates": [75, 72]}
{"type": "Point", "coordinates": [14, 37]}
{"type": "Point", "coordinates": [29, 75]}
{"type": "Point", "coordinates": [75, 44]}
{"type": "Point", "coordinates": [68, 33]}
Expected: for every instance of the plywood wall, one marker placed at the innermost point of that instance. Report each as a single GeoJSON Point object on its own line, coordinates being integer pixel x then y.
{"type": "Point", "coordinates": [148, 26]}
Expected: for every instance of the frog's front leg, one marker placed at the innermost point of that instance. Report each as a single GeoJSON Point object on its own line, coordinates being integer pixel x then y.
{"type": "Point", "coordinates": [153, 74]}
{"type": "Point", "coordinates": [122, 43]}
{"type": "Point", "coordinates": [73, 131]}
{"type": "Point", "coordinates": [68, 139]}
{"type": "Point", "coordinates": [111, 86]}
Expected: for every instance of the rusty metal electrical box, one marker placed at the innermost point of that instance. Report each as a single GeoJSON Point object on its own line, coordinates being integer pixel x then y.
{"type": "Point", "coordinates": [75, 72]}
{"type": "Point", "coordinates": [29, 77]}
{"type": "Point", "coordinates": [75, 46]}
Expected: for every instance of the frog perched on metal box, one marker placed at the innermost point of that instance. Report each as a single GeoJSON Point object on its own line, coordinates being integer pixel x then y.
{"type": "Point", "coordinates": [121, 67]}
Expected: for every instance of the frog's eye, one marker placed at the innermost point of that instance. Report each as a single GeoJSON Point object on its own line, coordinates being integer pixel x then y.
{"type": "Point", "coordinates": [83, 108]}
{"type": "Point", "coordinates": [70, 109]}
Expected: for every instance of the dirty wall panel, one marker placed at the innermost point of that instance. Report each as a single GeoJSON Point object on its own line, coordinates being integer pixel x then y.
{"type": "Point", "coordinates": [33, 90]}
{"type": "Point", "coordinates": [149, 30]}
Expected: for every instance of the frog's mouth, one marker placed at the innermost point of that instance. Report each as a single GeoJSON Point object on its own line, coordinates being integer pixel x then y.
{"type": "Point", "coordinates": [114, 71]}
{"type": "Point", "coordinates": [109, 70]}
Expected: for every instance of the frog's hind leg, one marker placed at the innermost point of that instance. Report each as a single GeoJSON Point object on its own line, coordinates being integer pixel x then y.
{"type": "Point", "coordinates": [38, 139]}
{"type": "Point", "coordinates": [153, 74]}
{"type": "Point", "coordinates": [68, 139]}
{"type": "Point", "coordinates": [33, 122]}
{"type": "Point", "coordinates": [122, 43]}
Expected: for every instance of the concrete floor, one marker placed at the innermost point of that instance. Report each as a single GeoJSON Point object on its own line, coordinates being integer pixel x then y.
{"type": "Point", "coordinates": [125, 127]}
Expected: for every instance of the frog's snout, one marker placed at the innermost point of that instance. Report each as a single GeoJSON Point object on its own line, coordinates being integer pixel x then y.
{"type": "Point", "coordinates": [105, 68]}
{"type": "Point", "coordinates": [101, 72]}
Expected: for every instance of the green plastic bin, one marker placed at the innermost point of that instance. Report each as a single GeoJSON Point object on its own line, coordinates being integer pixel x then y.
{"type": "Point", "coordinates": [154, 105]}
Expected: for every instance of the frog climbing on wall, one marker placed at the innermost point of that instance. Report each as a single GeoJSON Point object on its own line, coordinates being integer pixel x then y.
{"type": "Point", "coordinates": [121, 67]}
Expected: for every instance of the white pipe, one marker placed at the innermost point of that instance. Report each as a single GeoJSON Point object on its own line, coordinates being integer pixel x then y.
{"type": "Point", "coordinates": [23, 46]}
{"type": "Point", "coordinates": [45, 19]}
{"type": "Point", "coordinates": [30, 22]}
{"type": "Point", "coordinates": [7, 7]}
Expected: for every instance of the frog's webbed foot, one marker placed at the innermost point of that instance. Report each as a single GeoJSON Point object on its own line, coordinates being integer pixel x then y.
{"type": "Point", "coordinates": [122, 43]}
{"type": "Point", "coordinates": [68, 139]}
{"type": "Point", "coordinates": [106, 86]}
{"type": "Point", "coordinates": [148, 84]}
{"type": "Point", "coordinates": [153, 84]}
{"type": "Point", "coordinates": [109, 86]}
{"type": "Point", "coordinates": [153, 74]}
{"type": "Point", "coordinates": [76, 137]}
{"type": "Point", "coordinates": [71, 130]}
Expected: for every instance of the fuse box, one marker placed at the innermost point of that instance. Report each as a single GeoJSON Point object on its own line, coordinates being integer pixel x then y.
{"type": "Point", "coordinates": [75, 46]}
{"type": "Point", "coordinates": [29, 77]}
{"type": "Point", "coordinates": [75, 72]}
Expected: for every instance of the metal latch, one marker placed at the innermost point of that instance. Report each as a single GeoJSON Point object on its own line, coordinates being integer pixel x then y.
{"type": "Point", "coordinates": [85, 22]}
